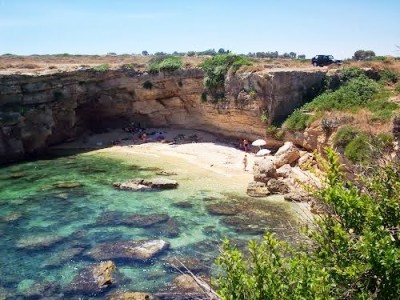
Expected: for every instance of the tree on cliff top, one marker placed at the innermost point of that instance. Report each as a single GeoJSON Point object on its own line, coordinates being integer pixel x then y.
{"type": "Point", "coordinates": [216, 67]}
{"type": "Point", "coordinates": [354, 251]}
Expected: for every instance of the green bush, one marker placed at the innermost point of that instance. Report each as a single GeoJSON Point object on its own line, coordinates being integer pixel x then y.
{"type": "Point", "coordinates": [397, 88]}
{"type": "Point", "coordinates": [355, 93]}
{"type": "Point", "coordinates": [102, 68]}
{"type": "Point", "coordinates": [216, 67]}
{"type": "Point", "coordinates": [359, 148]}
{"type": "Point", "coordinates": [165, 64]}
{"type": "Point", "coordinates": [382, 109]}
{"type": "Point", "coordinates": [388, 76]}
{"type": "Point", "coordinates": [345, 135]}
{"type": "Point", "coordinates": [351, 73]}
{"type": "Point", "coordinates": [297, 120]}
{"type": "Point", "coordinates": [353, 251]}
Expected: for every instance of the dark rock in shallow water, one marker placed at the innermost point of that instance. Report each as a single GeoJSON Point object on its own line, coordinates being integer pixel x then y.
{"type": "Point", "coordinates": [61, 257]}
{"type": "Point", "coordinates": [43, 290]}
{"type": "Point", "coordinates": [137, 220]}
{"type": "Point", "coordinates": [244, 225]}
{"type": "Point", "coordinates": [93, 280]}
{"type": "Point", "coordinates": [38, 242]}
{"type": "Point", "coordinates": [165, 173]}
{"type": "Point", "coordinates": [183, 204]}
{"type": "Point", "coordinates": [171, 228]}
{"type": "Point", "coordinates": [11, 217]}
{"type": "Point", "coordinates": [184, 263]}
{"type": "Point", "coordinates": [128, 250]}
{"type": "Point", "coordinates": [222, 208]}
{"type": "Point", "coordinates": [67, 185]}
{"type": "Point", "coordinates": [134, 220]}
{"type": "Point", "coordinates": [146, 184]}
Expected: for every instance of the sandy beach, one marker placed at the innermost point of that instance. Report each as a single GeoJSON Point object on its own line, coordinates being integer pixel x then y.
{"type": "Point", "coordinates": [200, 149]}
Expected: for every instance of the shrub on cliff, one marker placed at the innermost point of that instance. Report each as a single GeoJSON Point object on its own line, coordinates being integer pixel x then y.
{"type": "Point", "coordinates": [353, 250]}
{"type": "Point", "coordinates": [298, 120]}
{"type": "Point", "coordinates": [102, 68]}
{"type": "Point", "coordinates": [216, 67]}
{"type": "Point", "coordinates": [165, 64]}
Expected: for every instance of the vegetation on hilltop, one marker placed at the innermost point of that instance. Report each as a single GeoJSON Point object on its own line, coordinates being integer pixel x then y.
{"type": "Point", "coordinates": [355, 92]}
{"type": "Point", "coordinates": [353, 250]}
{"type": "Point", "coordinates": [166, 63]}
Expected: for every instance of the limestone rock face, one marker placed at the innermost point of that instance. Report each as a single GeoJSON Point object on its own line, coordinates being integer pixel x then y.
{"type": "Point", "coordinates": [50, 109]}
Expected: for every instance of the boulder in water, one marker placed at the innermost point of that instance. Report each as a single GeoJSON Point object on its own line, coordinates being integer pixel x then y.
{"type": "Point", "coordinates": [38, 242]}
{"type": "Point", "coordinates": [130, 296]}
{"type": "Point", "coordinates": [94, 279]}
{"type": "Point", "coordinates": [131, 250]}
{"type": "Point", "coordinates": [146, 184]}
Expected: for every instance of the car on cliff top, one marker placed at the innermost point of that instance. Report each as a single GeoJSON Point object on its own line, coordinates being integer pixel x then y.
{"type": "Point", "coordinates": [324, 60]}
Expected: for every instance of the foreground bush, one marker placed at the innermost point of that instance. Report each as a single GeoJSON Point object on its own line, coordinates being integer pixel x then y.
{"type": "Point", "coordinates": [354, 250]}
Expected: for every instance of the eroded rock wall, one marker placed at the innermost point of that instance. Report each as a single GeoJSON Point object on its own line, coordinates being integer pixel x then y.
{"type": "Point", "coordinates": [40, 111]}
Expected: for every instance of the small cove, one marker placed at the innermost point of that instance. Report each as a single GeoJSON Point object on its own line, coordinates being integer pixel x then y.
{"type": "Point", "coordinates": [53, 212]}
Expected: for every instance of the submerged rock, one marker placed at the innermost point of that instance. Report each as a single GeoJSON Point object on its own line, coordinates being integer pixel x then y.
{"type": "Point", "coordinates": [183, 287]}
{"type": "Point", "coordinates": [131, 250]}
{"type": "Point", "coordinates": [130, 296]}
{"type": "Point", "coordinates": [66, 185]}
{"type": "Point", "coordinates": [257, 189]}
{"type": "Point", "coordinates": [185, 263]}
{"type": "Point", "coordinates": [93, 280]}
{"type": "Point", "coordinates": [222, 208]}
{"type": "Point", "coordinates": [183, 204]}
{"type": "Point", "coordinates": [11, 217]}
{"type": "Point", "coordinates": [145, 184]}
{"type": "Point", "coordinates": [42, 290]}
{"type": "Point", "coordinates": [38, 242]}
{"type": "Point", "coordinates": [165, 173]}
{"type": "Point", "coordinates": [61, 257]}
{"type": "Point", "coordinates": [134, 220]}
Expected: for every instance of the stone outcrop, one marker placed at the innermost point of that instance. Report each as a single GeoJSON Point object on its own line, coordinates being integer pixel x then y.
{"type": "Point", "coordinates": [128, 250]}
{"type": "Point", "coordinates": [283, 174]}
{"type": "Point", "coordinates": [39, 111]}
{"type": "Point", "coordinates": [93, 280]}
{"type": "Point", "coordinates": [146, 185]}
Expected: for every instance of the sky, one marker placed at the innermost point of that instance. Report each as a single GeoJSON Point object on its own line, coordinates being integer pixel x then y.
{"type": "Point", "coordinates": [337, 27]}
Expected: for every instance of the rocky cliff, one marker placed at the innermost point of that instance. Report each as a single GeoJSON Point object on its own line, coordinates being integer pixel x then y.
{"type": "Point", "coordinates": [40, 111]}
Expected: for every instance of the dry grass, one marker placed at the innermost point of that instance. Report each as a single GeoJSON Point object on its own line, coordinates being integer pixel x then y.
{"type": "Point", "coordinates": [44, 64]}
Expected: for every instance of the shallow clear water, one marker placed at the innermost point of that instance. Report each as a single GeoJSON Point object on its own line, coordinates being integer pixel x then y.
{"type": "Point", "coordinates": [32, 207]}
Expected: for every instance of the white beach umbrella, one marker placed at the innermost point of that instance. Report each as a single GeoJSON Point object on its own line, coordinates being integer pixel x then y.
{"type": "Point", "coordinates": [263, 152]}
{"type": "Point", "coordinates": [259, 143]}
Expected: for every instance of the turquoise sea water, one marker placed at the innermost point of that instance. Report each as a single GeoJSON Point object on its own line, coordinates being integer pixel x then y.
{"type": "Point", "coordinates": [51, 214]}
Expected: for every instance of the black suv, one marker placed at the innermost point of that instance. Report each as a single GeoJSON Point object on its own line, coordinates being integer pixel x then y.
{"type": "Point", "coordinates": [324, 60]}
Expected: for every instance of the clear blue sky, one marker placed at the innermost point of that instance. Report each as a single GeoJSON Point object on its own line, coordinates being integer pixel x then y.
{"type": "Point", "coordinates": [129, 26]}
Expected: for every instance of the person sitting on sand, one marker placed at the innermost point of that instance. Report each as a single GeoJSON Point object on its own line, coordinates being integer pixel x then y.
{"type": "Point", "coordinates": [144, 137]}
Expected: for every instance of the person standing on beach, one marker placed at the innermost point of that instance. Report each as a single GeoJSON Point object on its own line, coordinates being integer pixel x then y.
{"type": "Point", "coordinates": [245, 162]}
{"type": "Point", "coordinates": [246, 145]}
